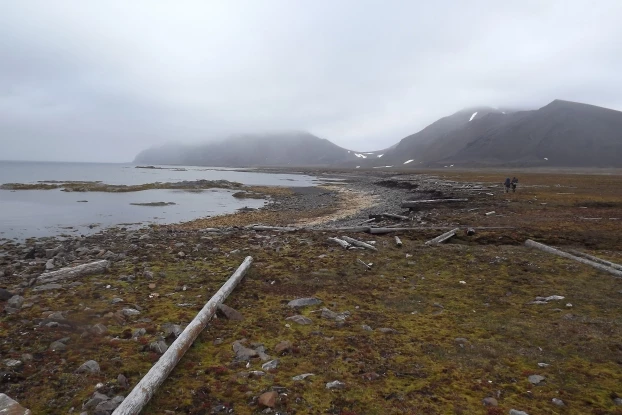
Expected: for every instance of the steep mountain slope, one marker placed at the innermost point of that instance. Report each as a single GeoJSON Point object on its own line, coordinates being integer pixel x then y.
{"type": "Point", "coordinates": [276, 149]}
{"type": "Point", "coordinates": [562, 133]}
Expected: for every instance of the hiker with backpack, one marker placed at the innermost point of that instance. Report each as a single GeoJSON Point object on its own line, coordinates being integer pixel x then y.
{"type": "Point", "coordinates": [507, 184]}
{"type": "Point", "coordinates": [514, 183]}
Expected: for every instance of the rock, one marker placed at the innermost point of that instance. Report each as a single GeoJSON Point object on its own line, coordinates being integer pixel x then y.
{"type": "Point", "coordinates": [490, 402]}
{"type": "Point", "coordinates": [366, 327]}
{"type": "Point", "coordinates": [15, 302]}
{"type": "Point", "coordinates": [122, 381]}
{"type": "Point", "coordinates": [371, 376]}
{"type": "Point", "coordinates": [181, 254]}
{"type": "Point", "coordinates": [617, 401]}
{"type": "Point", "coordinates": [90, 366]}
{"type": "Point", "coordinates": [268, 399]}
{"type": "Point", "coordinates": [48, 287]}
{"type": "Point", "coordinates": [171, 329]}
{"type": "Point", "coordinates": [558, 402]}
{"type": "Point", "coordinates": [99, 329]}
{"type": "Point", "coordinates": [303, 376]}
{"type": "Point", "coordinates": [58, 346]}
{"type": "Point", "coordinates": [138, 333]}
{"type": "Point", "coordinates": [128, 312]}
{"type": "Point", "coordinates": [335, 384]}
{"type": "Point", "coordinates": [304, 302]}
{"type": "Point", "coordinates": [271, 365]}
{"type": "Point", "coordinates": [10, 407]}
{"type": "Point", "coordinates": [11, 364]}
{"type": "Point", "coordinates": [300, 320]}
{"type": "Point", "coordinates": [461, 340]}
{"type": "Point", "coordinates": [106, 407]}
{"type": "Point", "coordinates": [49, 265]}
{"type": "Point", "coordinates": [242, 352]}
{"type": "Point", "coordinates": [387, 330]}
{"type": "Point", "coordinates": [331, 315]}
{"type": "Point", "coordinates": [517, 412]}
{"type": "Point", "coordinates": [230, 313]}
{"type": "Point", "coordinates": [144, 237]}
{"type": "Point", "coordinates": [5, 295]}
{"type": "Point", "coordinates": [27, 357]}
{"type": "Point", "coordinates": [116, 300]}
{"type": "Point", "coordinates": [95, 400]}
{"type": "Point", "coordinates": [158, 346]}
{"type": "Point", "coordinates": [543, 365]}
{"type": "Point", "coordinates": [283, 346]}
{"type": "Point", "coordinates": [536, 379]}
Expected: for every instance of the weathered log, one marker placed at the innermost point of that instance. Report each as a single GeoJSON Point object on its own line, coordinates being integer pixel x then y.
{"type": "Point", "coordinates": [554, 251]}
{"type": "Point", "coordinates": [146, 388]}
{"type": "Point", "coordinates": [368, 221]}
{"type": "Point", "coordinates": [351, 229]}
{"type": "Point", "coordinates": [363, 262]}
{"type": "Point", "coordinates": [274, 228]}
{"type": "Point", "coordinates": [442, 238]}
{"type": "Point", "coordinates": [377, 231]}
{"type": "Point", "coordinates": [417, 203]}
{"type": "Point", "coordinates": [341, 242]}
{"type": "Point", "coordinates": [97, 267]}
{"type": "Point", "coordinates": [393, 216]}
{"type": "Point", "coordinates": [356, 242]}
{"type": "Point", "coordinates": [490, 213]}
{"type": "Point", "coordinates": [596, 259]}
{"type": "Point", "coordinates": [398, 241]}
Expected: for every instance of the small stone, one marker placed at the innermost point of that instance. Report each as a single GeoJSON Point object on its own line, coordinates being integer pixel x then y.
{"type": "Point", "coordinates": [543, 365]}
{"type": "Point", "coordinates": [122, 381]}
{"type": "Point", "coordinates": [15, 302]}
{"type": "Point", "coordinates": [490, 402]}
{"type": "Point", "coordinates": [367, 328]}
{"type": "Point", "coordinates": [303, 376]}
{"type": "Point", "coordinates": [116, 300]}
{"type": "Point", "coordinates": [149, 275]}
{"type": "Point", "coordinates": [48, 287]}
{"type": "Point", "coordinates": [128, 312]}
{"type": "Point", "coordinates": [12, 364]}
{"type": "Point", "coordinates": [152, 286]}
{"type": "Point", "coordinates": [95, 400]}
{"type": "Point", "coordinates": [256, 373]}
{"type": "Point", "coordinates": [181, 254]}
{"type": "Point", "coordinates": [558, 402]}
{"type": "Point", "coordinates": [304, 302]}
{"type": "Point", "coordinates": [27, 357]}
{"type": "Point", "coordinates": [10, 407]}
{"type": "Point", "coordinates": [159, 346]}
{"type": "Point", "coordinates": [271, 365]}
{"type": "Point", "coordinates": [58, 346]}
{"type": "Point", "coordinates": [300, 320]}
{"type": "Point", "coordinates": [171, 329]}
{"type": "Point", "coordinates": [90, 366]}
{"type": "Point", "coordinates": [517, 412]}
{"type": "Point", "coordinates": [50, 264]}
{"type": "Point", "coordinates": [139, 333]}
{"type": "Point", "coordinates": [387, 330]}
{"type": "Point", "coordinates": [5, 295]}
{"type": "Point", "coordinates": [268, 399]}
{"type": "Point", "coordinates": [107, 407]}
{"type": "Point", "coordinates": [461, 340]}
{"type": "Point", "coordinates": [242, 352]}
{"type": "Point", "coordinates": [335, 384]}
{"type": "Point", "coordinates": [536, 379]}
{"type": "Point", "coordinates": [370, 376]}
{"type": "Point", "coordinates": [230, 313]}
{"type": "Point", "coordinates": [283, 346]}
{"type": "Point", "coordinates": [618, 401]}
{"type": "Point", "coordinates": [99, 329]}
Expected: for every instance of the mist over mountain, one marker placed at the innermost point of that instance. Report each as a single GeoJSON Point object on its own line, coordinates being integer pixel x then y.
{"type": "Point", "coordinates": [560, 134]}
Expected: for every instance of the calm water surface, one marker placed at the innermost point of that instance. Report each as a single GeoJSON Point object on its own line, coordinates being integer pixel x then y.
{"type": "Point", "coordinates": [29, 213]}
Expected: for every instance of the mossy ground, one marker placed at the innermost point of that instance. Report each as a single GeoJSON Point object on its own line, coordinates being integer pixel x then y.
{"type": "Point", "coordinates": [415, 290]}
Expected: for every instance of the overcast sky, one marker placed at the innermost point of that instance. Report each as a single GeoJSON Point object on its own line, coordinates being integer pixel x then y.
{"type": "Point", "coordinates": [102, 80]}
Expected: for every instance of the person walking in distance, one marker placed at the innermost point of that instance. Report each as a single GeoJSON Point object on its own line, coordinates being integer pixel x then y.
{"type": "Point", "coordinates": [507, 184]}
{"type": "Point", "coordinates": [514, 183]}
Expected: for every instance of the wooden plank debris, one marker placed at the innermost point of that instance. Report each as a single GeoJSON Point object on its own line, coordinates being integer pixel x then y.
{"type": "Point", "coordinates": [145, 389]}
{"type": "Point", "coordinates": [442, 238]}
{"type": "Point", "coordinates": [356, 242]}
{"type": "Point", "coordinates": [554, 251]}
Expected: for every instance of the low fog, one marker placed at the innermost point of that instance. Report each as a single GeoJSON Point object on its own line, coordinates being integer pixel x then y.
{"type": "Point", "coordinates": [101, 81]}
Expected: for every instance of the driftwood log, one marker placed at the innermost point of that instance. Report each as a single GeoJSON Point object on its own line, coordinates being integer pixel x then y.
{"type": "Point", "coordinates": [356, 242]}
{"type": "Point", "coordinates": [146, 388]}
{"type": "Point", "coordinates": [398, 241]}
{"type": "Point", "coordinates": [393, 216]}
{"type": "Point", "coordinates": [363, 262]}
{"type": "Point", "coordinates": [417, 203]}
{"type": "Point", "coordinates": [442, 238]}
{"type": "Point", "coordinates": [341, 242]}
{"type": "Point", "coordinates": [274, 228]}
{"type": "Point", "coordinates": [596, 259]}
{"type": "Point", "coordinates": [92, 268]}
{"type": "Point", "coordinates": [554, 251]}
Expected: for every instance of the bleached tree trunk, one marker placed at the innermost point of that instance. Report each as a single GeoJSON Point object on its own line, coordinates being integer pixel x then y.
{"type": "Point", "coordinates": [417, 203]}
{"type": "Point", "coordinates": [146, 388]}
{"type": "Point", "coordinates": [442, 238]}
{"type": "Point", "coordinates": [356, 242]}
{"type": "Point", "coordinates": [97, 267]}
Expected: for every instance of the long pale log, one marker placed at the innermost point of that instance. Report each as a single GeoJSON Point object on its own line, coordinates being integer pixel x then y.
{"type": "Point", "coordinates": [442, 238]}
{"type": "Point", "coordinates": [596, 259]}
{"type": "Point", "coordinates": [146, 388]}
{"type": "Point", "coordinates": [356, 242]}
{"type": "Point", "coordinates": [398, 241]}
{"type": "Point", "coordinates": [378, 231]}
{"type": "Point", "coordinates": [274, 228]}
{"type": "Point", "coordinates": [393, 216]}
{"type": "Point", "coordinates": [417, 203]}
{"type": "Point", "coordinates": [97, 267]}
{"type": "Point", "coordinates": [341, 242]}
{"type": "Point", "coordinates": [554, 251]}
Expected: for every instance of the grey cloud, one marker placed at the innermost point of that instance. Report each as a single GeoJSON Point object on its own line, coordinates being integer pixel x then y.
{"type": "Point", "coordinates": [101, 81]}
